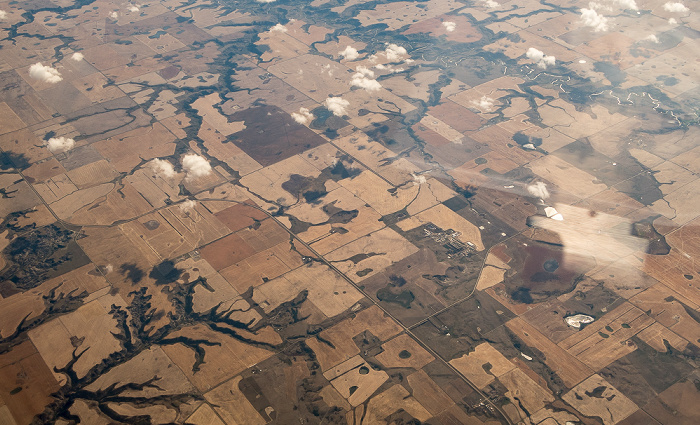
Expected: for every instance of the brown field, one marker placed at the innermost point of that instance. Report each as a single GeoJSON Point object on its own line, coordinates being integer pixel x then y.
{"type": "Point", "coordinates": [445, 218]}
{"type": "Point", "coordinates": [24, 142]}
{"type": "Point", "coordinates": [267, 182]}
{"type": "Point", "coordinates": [232, 406]}
{"type": "Point", "coordinates": [529, 394]}
{"type": "Point", "coordinates": [679, 404]}
{"type": "Point", "coordinates": [205, 108]}
{"type": "Point", "coordinates": [321, 238]}
{"type": "Point", "coordinates": [391, 400]}
{"type": "Point", "coordinates": [341, 335]}
{"type": "Point", "coordinates": [323, 83]}
{"type": "Point", "coordinates": [548, 318]}
{"type": "Point", "coordinates": [592, 348]}
{"type": "Point", "coordinates": [611, 406]}
{"type": "Point", "coordinates": [429, 136]}
{"type": "Point", "coordinates": [36, 382]}
{"type": "Point", "coordinates": [261, 267]}
{"type": "Point", "coordinates": [122, 204]}
{"type": "Point", "coordinates": [472, 365]}
{"type": "Point", "coordinates": [91, 321]}
{"type": "Point", "coordinates": [43, 170]}
{"type": "Point", "coordinates": [384, 247]}
{"type": "Point", "coordinates": [442, 129]}
{"type": "Point", "coordinates": [223, 361]}
{"type": "Point", "coordinates": [226, 251]}
{"type": "Point", "coordinates": [386, 199]}
{"type": "Point", "coordinates": [395, 352]}
{"type": "Point", "coordinates": [91, 174]}
{"type": "Point", "coordinates": [355, 372]}
{"type": "Point", "coordinates": [456, 116]}
{"type": "Point", "coordinates": [428, 393]}
{"type": "Point", "coordinates": [110, 246]}
{"type": "Point", "coordinates": [570, 370]}
{"type": "Point", "coordinates": [668, 308]}
{"type": "Point", "coordinates": [205, 415]}
{"type": "Point", "coordinates": [330, 293]}
{"type": "Point", "coordinates": [128, 149]}
{"type": "Point", "coordinates": [171, 232]}
{"type": "Point", "coordinates": [373, 155]}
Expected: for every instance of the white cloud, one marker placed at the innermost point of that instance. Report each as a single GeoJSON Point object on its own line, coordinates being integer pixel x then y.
{"type": "Point", "coordinates": [359, 80]}
{"type": "Point", "coordinates": [363, 79]}
{"type": "Point", "coordinates": [77, 56]}
{"type": "Point", "coordinates": [133, 8]}
{"type": "Point", "coordinates": [337, 105]}
{"type": "Point", "coordinates": [195, 166]}
{"type": "Point", "coordinates": [363, 70]}
{"type": "Point", "coordinates": [591, 18]}
{"type": "Point", "coordinates": [162, 168]}
{"type": "Point", "coordinates": [60, 144]}
{"type": "Point", "coordinates": [350, 53]}
{"type": "Point", "coordinates": [44, 73]}
{"type": "Point", "coordinates": [491, 4]}
{"type": "Point", "coordinates": [278, 28]}
{"type": "Point", "coordinates": [3, 14]}
{"type": "Point", "coordinates": [187, 206]}
{"type": "Point", "coordinates": [675, 7]}
{"type": "Point", "coordinates": [672, 21]}
{"type": "Point", "coordinates": [303, 117]}
{"type": "Point", "coordinates": [114, 15]}
{"type": "Point", "coordinates": [449, 26]}
{"type": "Point", "coordinates": [485, 103]}
{"type": "Point", "coordinates": [653, 38]}
{"type": "Point", "coordinates": [627, 4]}
{"type": "Point", "coordinates": [394, 52]}
{"type": "Point", "coordinates": [540, 58]}
{"type": "Point", "coordinates": [265, 1]}
{"type": "Point", "coordinates": [538, 190]}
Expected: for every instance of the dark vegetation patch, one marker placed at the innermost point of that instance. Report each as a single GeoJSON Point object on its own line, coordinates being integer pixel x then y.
{"type": "Point", "coordinates": [38, 255]}
{"type": "Point", "coordinates": [657, 242]}
{"type": "Point", "coordinates": [271, 135]}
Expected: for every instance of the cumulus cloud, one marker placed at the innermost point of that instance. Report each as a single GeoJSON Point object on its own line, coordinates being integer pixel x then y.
{"type": "Point", "coordinates": [627, 4]}
{"type": "Point", "coordinates": [278, 28]}
{"type": "Point", "coordinates": [672, 21]}
{"type": "Point", "coordinates": [394, 52]}
{"type": "Point", "coordinates": [77, 56]}
{"type": "Point", "coordinates": [133, 8]}
{"type": "Point", "coordinates": [538, 190]}
{"type": "Point", "coordinates": [491, 4]}
{"type": "Point", "coordinates": [44, 73]}
{"type": "Point", "coordinates": [195, 166]}
{"type": "Point", "coordinates": [187, 206]}
{"type": "Point", "coordinates": [591, 18]}
{"type": "Point", "coordinates": [303, 117]}
{"type": "Point", "coordinates": [485, 103]}
{"type": "Point", "coordinates": [540, 58]}
{"type": "Point", "coordinates": [449, 26]}
{"type": "Point", "coordinates": [60, 144]}
{"type": "Point", "coordinates": [675, 7]}
{"type": "Point", "coordinates": [162, 168]}
{"type": "Point", "coordinates": [264, 1]}
{"type": "Point", "coordinates": [350, 53]}
{"type": "Point", "coordinates": [359, 80]}
{"type": "Point", "coordinates": [3, 14]}
{"type": "Point", "coordinates": [653, 38]}
{"type": "Point", "coordinates": [114, 15]}
{"type": "Point", "coordinates": [337, 105]}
